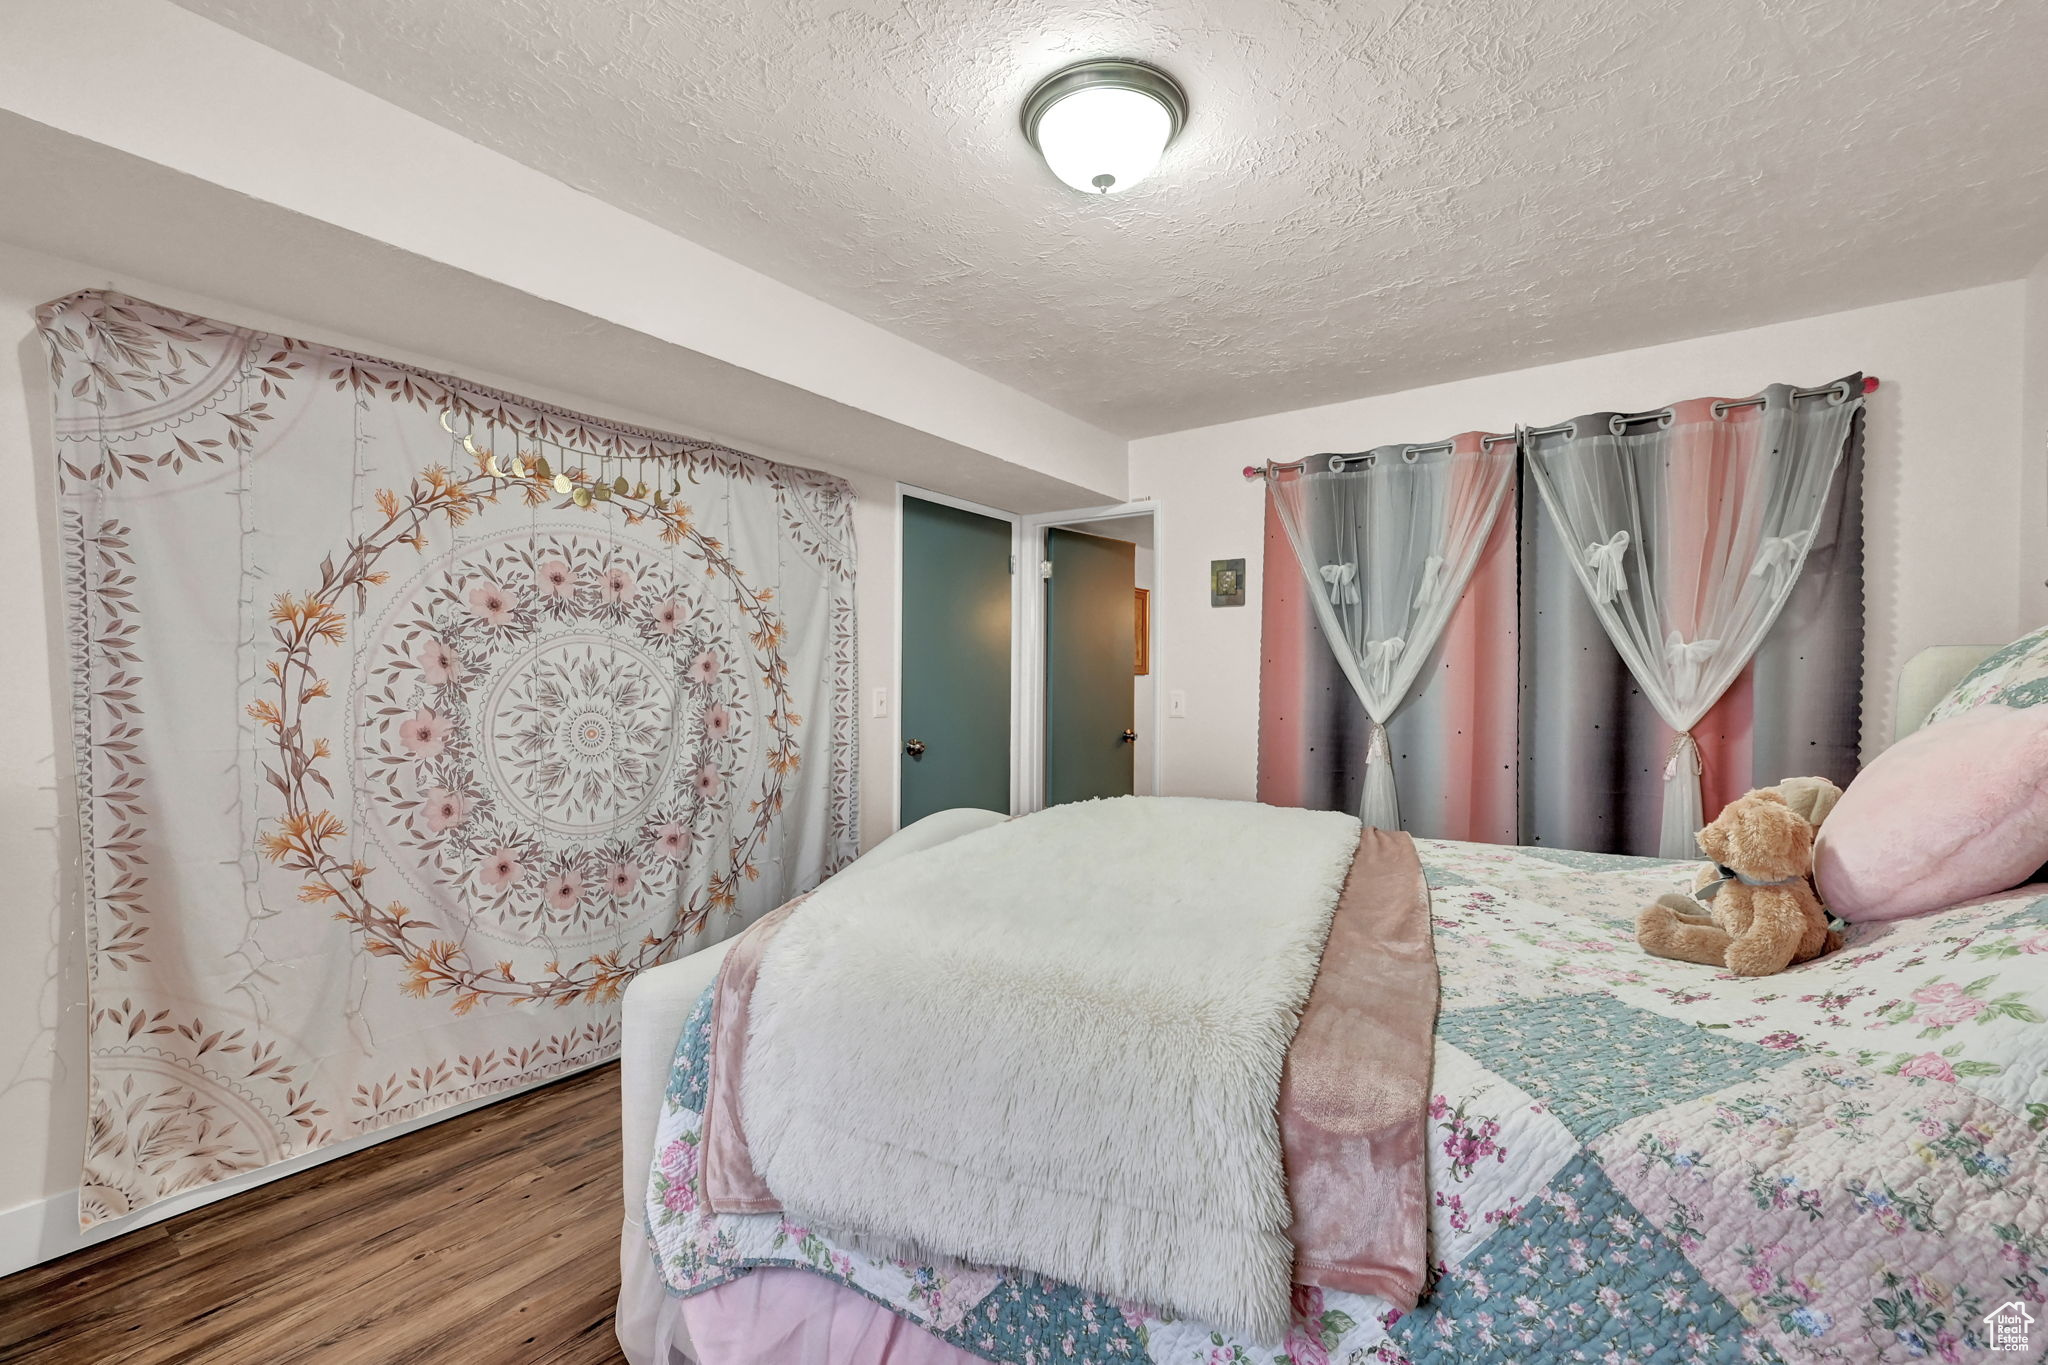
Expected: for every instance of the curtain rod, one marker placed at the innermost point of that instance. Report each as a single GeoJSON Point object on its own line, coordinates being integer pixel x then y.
{"type": "Point", "coordinates": [1253, 471]}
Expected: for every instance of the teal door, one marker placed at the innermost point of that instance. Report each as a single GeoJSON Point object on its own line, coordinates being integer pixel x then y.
{"type": "Point", "coordinates": [1090, 627]}
{"type": "Point", "coordinates": [955, 704]}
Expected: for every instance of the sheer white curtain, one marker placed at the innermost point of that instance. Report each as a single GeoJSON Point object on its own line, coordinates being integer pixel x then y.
{"type": "Point", "coordinates": [1688, 529]}
{"type": "Point", "coordinates": [1387, 540]}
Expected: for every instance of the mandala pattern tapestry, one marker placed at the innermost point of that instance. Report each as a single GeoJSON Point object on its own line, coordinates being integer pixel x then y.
{"type": "Point", "coordinates": [411, 719]}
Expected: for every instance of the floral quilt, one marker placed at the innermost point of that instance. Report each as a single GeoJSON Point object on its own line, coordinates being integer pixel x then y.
{"type": "Point", "coordinates": [1632, 1160]}
{"type": "Point", "coordinates": [2015, 676]}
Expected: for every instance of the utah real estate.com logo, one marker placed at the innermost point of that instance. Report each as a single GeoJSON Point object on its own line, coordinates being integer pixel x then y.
{"type": "Point", "coordinates": [2006, 1327]}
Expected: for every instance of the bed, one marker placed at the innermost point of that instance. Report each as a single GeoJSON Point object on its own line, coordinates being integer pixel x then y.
{"type": "Point", "coordinates": [1630, 1159]}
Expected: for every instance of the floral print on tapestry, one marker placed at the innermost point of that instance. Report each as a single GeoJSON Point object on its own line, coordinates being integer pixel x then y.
{"type": "Point", "coordinates": [412, 720]}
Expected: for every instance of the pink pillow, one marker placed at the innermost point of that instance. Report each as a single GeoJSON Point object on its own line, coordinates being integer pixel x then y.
{"type": "Point", "coordinates": [1949, 813]}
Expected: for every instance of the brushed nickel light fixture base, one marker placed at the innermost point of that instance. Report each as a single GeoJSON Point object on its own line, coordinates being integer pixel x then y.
{"type": "Point", "coordinates": [1101, 125]}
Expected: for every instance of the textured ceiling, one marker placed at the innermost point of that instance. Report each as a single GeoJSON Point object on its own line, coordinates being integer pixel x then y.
{"type": "Point", "coordinates": [1369, 196]}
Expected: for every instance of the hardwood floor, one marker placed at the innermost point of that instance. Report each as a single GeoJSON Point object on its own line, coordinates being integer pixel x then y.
{"type": "Point", "coordinates": [491, 1238]}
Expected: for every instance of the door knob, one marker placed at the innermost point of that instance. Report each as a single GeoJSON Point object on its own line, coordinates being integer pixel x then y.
{"type": "Point", "coordinates": [915, 748]}
{"type": "Point", "coordinates": [1130, 736]}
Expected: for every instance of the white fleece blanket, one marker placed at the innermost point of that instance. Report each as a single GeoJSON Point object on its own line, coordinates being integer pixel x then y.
{"type": "Point", "coordinates": [1056, 1045]}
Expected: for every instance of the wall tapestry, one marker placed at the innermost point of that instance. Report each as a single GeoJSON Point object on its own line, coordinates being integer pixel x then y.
{"type": "Point", "coordinates": [411, 719]}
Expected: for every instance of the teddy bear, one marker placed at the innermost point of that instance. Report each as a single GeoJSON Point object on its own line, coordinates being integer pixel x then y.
{"type": "Point", "coordinates": [1811, 797]}
{"type": "Point", "coordinates": [1764, 912]}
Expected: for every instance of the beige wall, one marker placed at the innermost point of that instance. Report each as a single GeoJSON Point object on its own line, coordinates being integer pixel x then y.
{"type": "Point", "coordinates": [2033, 454]}
{"type": "Point", "coordinates": [42, 969]}
{"type": "Point", "coordinates": [1946, 460]}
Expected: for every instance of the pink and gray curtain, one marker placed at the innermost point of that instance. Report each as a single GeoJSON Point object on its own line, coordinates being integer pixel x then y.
{"type": "Point", "coordinates": [1386, 540]}
{"type": "Point", "coordinates": [1527, 725]}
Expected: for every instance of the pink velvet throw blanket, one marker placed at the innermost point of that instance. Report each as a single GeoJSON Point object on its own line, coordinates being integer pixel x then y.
{"type": "Point", "coordinates": [731, 1184]}
{"type": "Point", "coordinates": [1353, 1096]}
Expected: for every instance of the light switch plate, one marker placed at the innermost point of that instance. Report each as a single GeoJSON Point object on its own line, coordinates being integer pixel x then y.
{"type": "Point", "coordinates": [1176, 705]}
{"type": "Point", "coordinates": [879, 707]}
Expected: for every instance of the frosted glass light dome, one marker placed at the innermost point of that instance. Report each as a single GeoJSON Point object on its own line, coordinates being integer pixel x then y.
{"type": "Point", "coordinates": [1102, 126]}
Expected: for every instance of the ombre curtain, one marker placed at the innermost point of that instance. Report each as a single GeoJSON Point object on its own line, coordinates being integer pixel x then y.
{"type": "Point", "coordinates": [1449, 724]}
{"type": "Point", "coordinates": [1526, 727]}
{"type": "Point", "coordinates": [1691, 526]}
{"type": "Point", "coordinates": [1594, 749]}
{"type": "Point", "coordinates": [1385, 541]}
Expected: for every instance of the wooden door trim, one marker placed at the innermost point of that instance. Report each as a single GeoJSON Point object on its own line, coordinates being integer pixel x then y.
{"type": "Point", "coordinates": [894, 725]}
{"type": "Point", "coordinates": [1027, 694]}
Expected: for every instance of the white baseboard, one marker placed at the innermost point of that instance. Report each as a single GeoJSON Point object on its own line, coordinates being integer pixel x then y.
{"type": "Point", "coordinates": [47, 1228]}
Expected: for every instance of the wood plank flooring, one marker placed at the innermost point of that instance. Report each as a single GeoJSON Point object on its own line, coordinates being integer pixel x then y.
{"type": "Point", "coordinates": [489, 1238]}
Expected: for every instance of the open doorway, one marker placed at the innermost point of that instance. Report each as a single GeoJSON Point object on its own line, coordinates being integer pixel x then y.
{"type": "Point", "coordinates": [1088, 726]}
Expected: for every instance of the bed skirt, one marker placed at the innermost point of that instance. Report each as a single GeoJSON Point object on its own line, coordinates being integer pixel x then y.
{"type": "Point", "coordinates": [649, 1317]}
{"type": "Point", "coordinates": [770, 1316]}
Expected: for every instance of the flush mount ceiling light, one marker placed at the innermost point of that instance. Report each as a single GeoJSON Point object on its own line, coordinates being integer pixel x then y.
{"type": "Point", "coordinates": [1101, 126]}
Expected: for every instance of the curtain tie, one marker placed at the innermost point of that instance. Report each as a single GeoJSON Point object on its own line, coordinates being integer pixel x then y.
{"type": "Point", "coordinates": [1603, 561]}
{"type": "Point", "coordinates": [1685, 752]}
{"type": "Point", "coordinates": [1432, 581]}
{"type": "Point", "coordinates": [1378, 750]}
{"type": "Point", "coordinates": [1380, 656]}
{"type": "Point", "coordinates": [1684, 659]}
{"type": "Point", "coordinates": [1778, 554]}
{"type": "Point", "coordinates": [1342, 581]}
